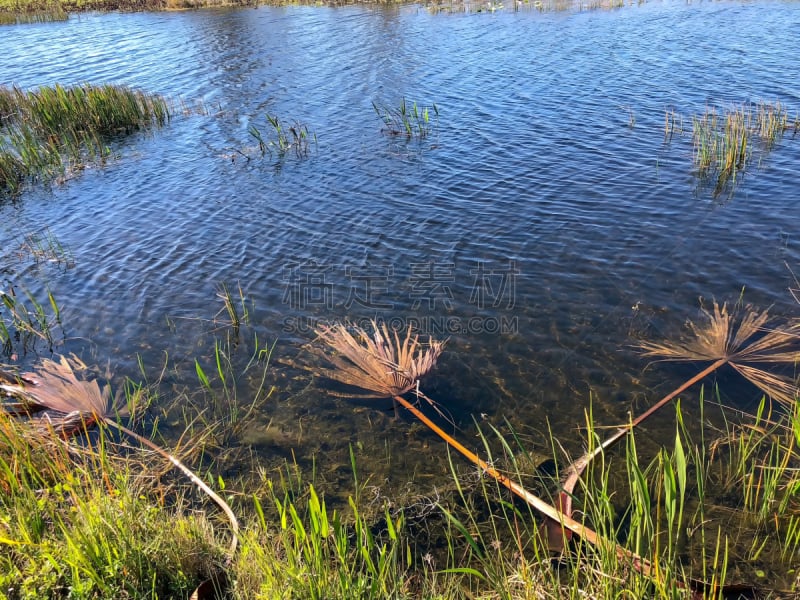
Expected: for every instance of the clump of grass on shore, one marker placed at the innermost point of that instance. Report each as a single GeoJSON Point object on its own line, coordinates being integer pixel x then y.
{"type": "Point", "coordinates": [57, 130]}
{"type": "Point", "coordinates": [79, 521]}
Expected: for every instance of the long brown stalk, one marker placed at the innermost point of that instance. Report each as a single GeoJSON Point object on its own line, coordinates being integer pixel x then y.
{"type": "Point", "coordinates": [218, 500]}
{"type": "Point", "coordinates": [739, 338]}
{"type": "Point", "coordinates": [575, 470]}
{"type": "Point", "coordinates": [565, 521]}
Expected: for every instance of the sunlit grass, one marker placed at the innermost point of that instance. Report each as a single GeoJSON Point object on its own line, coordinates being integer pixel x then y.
{"type": "Point", "coordinates": [724, 143]}
{"type": "Point", "coordinates": [54, 131]}
{"type": "Point", "coordinates": [407, 119]}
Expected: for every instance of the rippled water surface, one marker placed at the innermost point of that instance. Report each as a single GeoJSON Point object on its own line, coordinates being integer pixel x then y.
{"type": "Point", "coordinates": [545, 222]}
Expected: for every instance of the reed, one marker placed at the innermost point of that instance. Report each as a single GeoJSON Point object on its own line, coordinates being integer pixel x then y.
{"type": "Point", "coordinates": [743, 338]}
{"type": "Point", "coordinates": [409, 121]}
{"type": "Point", "coordinates": [283, 139]}
{"type": "Point", "coordinates": [53, 130]}
{"type": "Point", "coordinates": [673, 123]}
{"type": "Point", "coordinates": [724, 143]}
{"type": "Point", "coordinates": [26, 322]}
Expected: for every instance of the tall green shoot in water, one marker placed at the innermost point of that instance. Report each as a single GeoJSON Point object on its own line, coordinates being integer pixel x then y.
{"type": "Point", "coordinates": [412, 121]}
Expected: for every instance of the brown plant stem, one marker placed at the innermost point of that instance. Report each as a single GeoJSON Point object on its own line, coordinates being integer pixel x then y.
{"type": "Point", "coordinates": [577, 467]}
{"type": "Point", "coordinates": [566, 521]}
{"type": "Point", "coordinates": [219, 501]}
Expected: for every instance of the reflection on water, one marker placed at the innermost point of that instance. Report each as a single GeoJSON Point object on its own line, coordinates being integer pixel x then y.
{"type": "Point", "coordinates": [540, 229]}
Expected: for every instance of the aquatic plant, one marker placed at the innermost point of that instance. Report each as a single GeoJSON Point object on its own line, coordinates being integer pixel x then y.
{"type": "Point", "coordinates": [56, 130]}
{"type": "Point", "coordinates": [673, 123]}
{"type": "Point", "coordinates": [24, 321]}
{"type": "Point", "coordinates": [723, 143]}
{"type": "Point", "coordinates": [282, 139]}
{"type": "Point", "coordinates": [411, 122]}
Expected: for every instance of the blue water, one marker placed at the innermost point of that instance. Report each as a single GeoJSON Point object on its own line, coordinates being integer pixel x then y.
{"type": "Point", "coordinates": [545, 223]}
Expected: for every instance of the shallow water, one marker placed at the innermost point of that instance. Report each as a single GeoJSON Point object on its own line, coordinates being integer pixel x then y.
{"type": "Point", "coordinates": [538, 226]}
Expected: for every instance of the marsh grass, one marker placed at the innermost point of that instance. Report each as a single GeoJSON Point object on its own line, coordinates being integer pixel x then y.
{"type": "Point", "coordinates": [104, 526]}
{"type": "Point", "coordinates": [410, 121]}
{"type": "Point", "coordinates": [55, 131]}
{"type": "Point", "coordinates": [280, 140]}
{"type": "Point", "coordinates": [664, 508]}
{"type": "Point", "coordinates": [724, 143]}
{"type": "Point", "coordinates": [88, 521]}
{"type": "Point", "coordinates": [673, 123]}
{"type": "Point", "coordinates": [15, 12]}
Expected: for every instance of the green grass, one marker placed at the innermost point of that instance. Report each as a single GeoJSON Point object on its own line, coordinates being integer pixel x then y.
{"type": "Point", "coordinates": [407, 120]}
{"type": "Point", "coordinates": [98, 517]}
{"type": "Point", "coordinates": [107, 525]}
{"type": "Point", "coordinates": [724, 143]}
{"type": "Point", "coordinates": [56, 131]}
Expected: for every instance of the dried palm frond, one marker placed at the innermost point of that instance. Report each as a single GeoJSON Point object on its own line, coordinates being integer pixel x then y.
{"type": "Point", "coordinates": [80, 402]}
{"type": "Point", "coordinates": [55, 386]}
{"type": "Point", "coordinates": [378, 365]}
{"type": "Point", "coordinates": [740, 338]}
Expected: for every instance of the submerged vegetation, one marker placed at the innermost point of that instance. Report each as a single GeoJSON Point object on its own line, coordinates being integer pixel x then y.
{"type": "Point", "coordinates": [55, 131]}
{"type": "Point", "coordinates": [107, 525]}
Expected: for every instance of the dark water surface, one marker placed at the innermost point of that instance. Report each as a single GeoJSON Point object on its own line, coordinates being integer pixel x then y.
{"type": "Point", "coordinates": [537, 223]}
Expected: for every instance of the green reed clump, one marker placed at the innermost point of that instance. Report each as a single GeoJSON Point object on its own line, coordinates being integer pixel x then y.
{"type": "Point", "coordinates": [724, 143]}
{"type": "Point", "coordinates": [298, 547]}
{"type": "Point", "coordinates": [665, 510]}
{"type": "Point", "coordinates": [281, 139]}
{"type": "Point", "coordinates": [410, 121]}
{"type": "Point", "coordinates": [57, 129]}
{"type": "Point", "coordinates": [762, 458]}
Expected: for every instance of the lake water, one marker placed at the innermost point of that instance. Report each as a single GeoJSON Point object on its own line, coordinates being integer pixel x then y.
{"type": "Point", "coordinates": [545, 224]}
